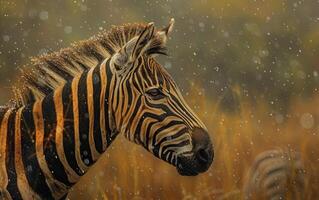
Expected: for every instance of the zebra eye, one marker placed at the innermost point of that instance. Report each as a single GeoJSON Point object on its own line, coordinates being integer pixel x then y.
{"type": "Point", "coordinates": [155, 93]}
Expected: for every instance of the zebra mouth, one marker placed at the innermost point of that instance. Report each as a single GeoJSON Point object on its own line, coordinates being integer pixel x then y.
{"type": "Point", "coordinates": [186, 170]}
{"type": "Point", "coordinates": [189, 166]}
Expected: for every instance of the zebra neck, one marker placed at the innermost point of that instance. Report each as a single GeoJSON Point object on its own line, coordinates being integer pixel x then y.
{"type": "Point", "coordinates": [81, 121]}
{"type": "Point", "coordinates": [66, 132]}
{"type": "Point", "coordinates": [83, 110]}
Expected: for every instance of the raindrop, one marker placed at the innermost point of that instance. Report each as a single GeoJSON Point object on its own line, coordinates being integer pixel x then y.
{"type": "Point", "coordinates": [168, 65]}
{"type": "Point", "coordinates": [263, 53]}
{"type": "Point", "coordinates": [279, 118]}
{"type": "Point", "coordinates": [86, 161]}
{"type": "Point", "coordinates": [68, 29]}
{"type": "Point", "coordinates": [29, 168]}
{"type": "Point", "coordinates": [86, 115]}
{"type": "Point", "coordinates": [44, 15]}
{"type": "Point", "coordinates": [96, 79]}
{"type": "Point", "coordinates": [6, 38]}
{"type": "Point", "coordinates": [256, 60]}
{"type": "Point", "coordinates": [201, 25]}
{"type": "Point", "coordinates": [307, 121]}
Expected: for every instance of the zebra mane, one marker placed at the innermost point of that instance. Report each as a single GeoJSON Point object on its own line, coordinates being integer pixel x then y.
{"type": "Point", "coordinates": [47, 72]}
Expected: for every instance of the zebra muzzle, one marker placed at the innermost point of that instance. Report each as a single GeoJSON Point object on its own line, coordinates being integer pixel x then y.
{"type": "Point", "coordinates": [202, 155]}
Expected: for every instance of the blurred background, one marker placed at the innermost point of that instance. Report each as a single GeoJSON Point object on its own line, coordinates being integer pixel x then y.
{"type": "Point", "coordinates": [250, 69]}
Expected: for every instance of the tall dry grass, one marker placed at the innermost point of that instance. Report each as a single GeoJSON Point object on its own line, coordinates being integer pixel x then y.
{"type": "Point", "coordinates": [127, 171]}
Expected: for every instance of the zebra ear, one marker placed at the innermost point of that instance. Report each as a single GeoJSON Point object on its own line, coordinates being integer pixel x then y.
{"type": "Point", "coordinates": [158, 43]}
{"type": "Point", "coordinates": [134, 48]}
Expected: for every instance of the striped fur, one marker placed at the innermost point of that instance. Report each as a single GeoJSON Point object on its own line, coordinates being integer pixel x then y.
{"type": "Point", "coordinates": [75, 102]}
{"type": "Point", "coordinates": [275, 174]}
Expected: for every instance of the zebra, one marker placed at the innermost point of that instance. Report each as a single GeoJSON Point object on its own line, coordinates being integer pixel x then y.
{"type": "Point", "coordinates": [276, 174]}
{"type": "Point", "coordinates": [70, 106]}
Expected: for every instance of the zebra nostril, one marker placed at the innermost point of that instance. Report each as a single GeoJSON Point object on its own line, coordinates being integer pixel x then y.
{"type": "Point", "coordinates": [203, 156]}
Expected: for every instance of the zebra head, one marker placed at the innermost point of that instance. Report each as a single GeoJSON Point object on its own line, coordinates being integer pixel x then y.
{"type": "Point", "coordinates": [150, 109]}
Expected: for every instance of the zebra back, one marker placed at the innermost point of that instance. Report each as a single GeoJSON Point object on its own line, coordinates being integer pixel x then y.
{"type": "Point", "coordinates": [276, 174]}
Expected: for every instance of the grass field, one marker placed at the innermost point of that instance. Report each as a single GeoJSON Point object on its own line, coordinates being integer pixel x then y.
{"type": "Point", "coordinates": [127, 171]}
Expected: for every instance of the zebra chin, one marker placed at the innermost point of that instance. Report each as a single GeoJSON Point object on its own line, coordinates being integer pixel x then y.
{"type": "Point", "coordinates": [200, 158]}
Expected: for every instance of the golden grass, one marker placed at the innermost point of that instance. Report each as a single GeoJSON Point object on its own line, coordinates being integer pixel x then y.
{"type": "Point", "coordinates": [127, 171]}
